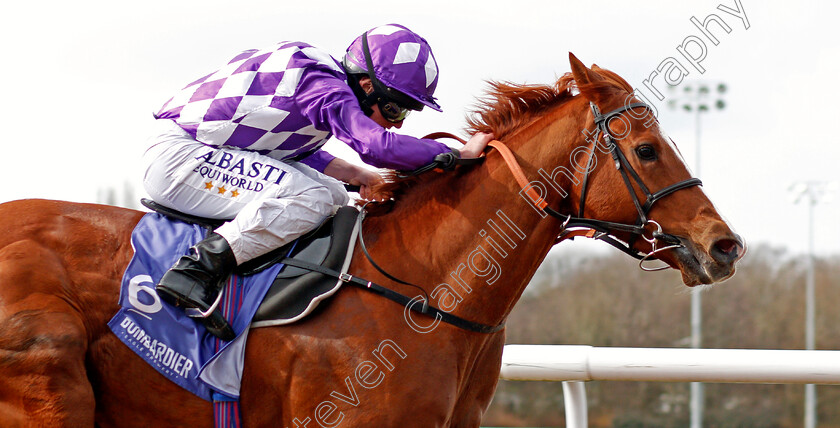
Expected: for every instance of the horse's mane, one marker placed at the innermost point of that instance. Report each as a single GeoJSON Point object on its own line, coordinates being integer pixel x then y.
{"type": "Point", "coordinates": [508, 107]}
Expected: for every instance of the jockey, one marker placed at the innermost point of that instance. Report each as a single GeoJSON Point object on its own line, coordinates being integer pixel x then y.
{"type": "Point", "coordinates": [244, 144]}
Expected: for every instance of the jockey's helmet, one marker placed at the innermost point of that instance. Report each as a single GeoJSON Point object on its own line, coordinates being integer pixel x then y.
{"type": "Point", "coordinates": [401, 66]}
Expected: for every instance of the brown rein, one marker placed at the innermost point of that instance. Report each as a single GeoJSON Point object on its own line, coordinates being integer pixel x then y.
{"type": "Point", "coordinates": [581, 226]}
{"type": "Point", "coordinates": [510, 160]}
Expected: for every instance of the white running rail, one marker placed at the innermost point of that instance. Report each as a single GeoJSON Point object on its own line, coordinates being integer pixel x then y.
{"type": "Point", "coordinates": [574, 364]}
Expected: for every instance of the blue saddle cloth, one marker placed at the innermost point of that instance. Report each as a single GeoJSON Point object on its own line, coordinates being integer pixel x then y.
{"type": "Point", "coordinates": [177, 346]}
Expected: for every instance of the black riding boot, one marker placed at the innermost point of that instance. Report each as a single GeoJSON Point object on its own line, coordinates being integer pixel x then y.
{"type": "Point", "coordinates": [196, 280]}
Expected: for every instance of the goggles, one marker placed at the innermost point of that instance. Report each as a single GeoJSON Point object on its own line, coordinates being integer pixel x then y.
{"type": "Point", "coordinates": [392, 112]}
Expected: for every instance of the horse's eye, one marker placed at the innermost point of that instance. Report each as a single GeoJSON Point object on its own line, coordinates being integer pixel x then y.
{"type": "Point", "coordinates": [646, 152]}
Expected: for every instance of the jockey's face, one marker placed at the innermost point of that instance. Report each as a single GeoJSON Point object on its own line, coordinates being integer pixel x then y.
{"type": "Point", "coordinates": [377, 117]}
{"type": "Point", "coordinates": [385, 123]}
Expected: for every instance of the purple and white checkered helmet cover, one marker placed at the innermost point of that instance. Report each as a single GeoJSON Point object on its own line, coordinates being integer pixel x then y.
{"type": "Point", "coordinates": [402, 60]}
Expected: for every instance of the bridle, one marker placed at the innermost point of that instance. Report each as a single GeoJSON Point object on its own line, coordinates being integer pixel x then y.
{"type": "Point", "coordinates": [605, 230]}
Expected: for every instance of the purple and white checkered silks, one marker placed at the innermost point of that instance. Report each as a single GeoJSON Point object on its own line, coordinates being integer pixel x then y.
{"type": "Point", "coordinates": [249, 103]}
{"type": "Point", "coordinates": [402, 60]}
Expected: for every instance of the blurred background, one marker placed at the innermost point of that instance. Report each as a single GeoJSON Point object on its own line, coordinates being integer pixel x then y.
{"type": "Point", "coordinates": [80, 82]}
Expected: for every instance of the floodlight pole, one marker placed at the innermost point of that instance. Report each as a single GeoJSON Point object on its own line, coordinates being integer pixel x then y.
{"type": "Point", "coordinates": [698, 395]}
{"type": "Point", "coordinates": [810, 316]}
{"type": "Point", "coordinates": [810, 192]}
{"type": "Point", "coordinates": [695, 103]}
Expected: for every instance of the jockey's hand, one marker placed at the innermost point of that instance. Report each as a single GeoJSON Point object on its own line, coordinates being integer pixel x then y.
{"type": "Point", "coordinates": [366, 180]}
{"type": "Point", "coordinates": [476, 145]}
{"type": "Point", "coordinates": [357, 176]}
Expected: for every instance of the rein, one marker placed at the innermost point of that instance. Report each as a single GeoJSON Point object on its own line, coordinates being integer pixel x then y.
{"type": "Point", "coordinates": [600, 229]}
{"type": "Point", "coordinates": [593, 228]}
{"type": "Point", "coordinates": [571, 227]}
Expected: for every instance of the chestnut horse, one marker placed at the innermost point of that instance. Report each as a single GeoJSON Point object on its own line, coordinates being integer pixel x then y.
{"type": "Point", "coordinates": [467, 237]}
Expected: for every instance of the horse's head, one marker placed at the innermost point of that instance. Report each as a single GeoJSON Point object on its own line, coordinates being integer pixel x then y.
{"type": "Point", "coordinates": [645, 162]}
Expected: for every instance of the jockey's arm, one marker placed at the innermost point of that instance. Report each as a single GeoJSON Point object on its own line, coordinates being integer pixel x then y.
{"type": "Point", "coordinates": [345, 171]}
{"type": "Point", "coordinates": [330, 104]}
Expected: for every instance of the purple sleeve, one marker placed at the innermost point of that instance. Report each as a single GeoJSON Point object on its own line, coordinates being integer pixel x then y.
{"type": "Point", "coordinates": [318, 160]}
{"type": "Point", "coordinates": [331, 106]}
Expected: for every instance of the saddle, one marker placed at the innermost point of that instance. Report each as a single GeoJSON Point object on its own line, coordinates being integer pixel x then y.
{"type": "Point", "coordinates": [295, 291]}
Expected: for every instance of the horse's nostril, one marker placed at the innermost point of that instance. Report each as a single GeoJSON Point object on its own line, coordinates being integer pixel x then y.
{"type": "Point", "coordinates": [726, 246]}
{"type": "Point", "coordinates": [726, 250]}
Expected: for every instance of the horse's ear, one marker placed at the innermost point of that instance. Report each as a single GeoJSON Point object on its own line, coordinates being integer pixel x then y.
{"type": "Point", "coordinates": [584, 78]}
{"type": "Point", "coordinates": [579, 71]}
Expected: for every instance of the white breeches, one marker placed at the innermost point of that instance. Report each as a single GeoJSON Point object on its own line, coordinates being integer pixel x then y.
{"type": "Point", "coordinates": [270, 202]}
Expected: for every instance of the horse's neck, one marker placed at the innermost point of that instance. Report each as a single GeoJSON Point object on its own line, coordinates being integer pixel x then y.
{"type": "Point", "coordinates": [472, 241]}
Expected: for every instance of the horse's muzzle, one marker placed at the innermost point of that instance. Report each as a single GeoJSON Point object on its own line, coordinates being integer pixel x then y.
{"type": "Point", "coordinates": [714, 263]}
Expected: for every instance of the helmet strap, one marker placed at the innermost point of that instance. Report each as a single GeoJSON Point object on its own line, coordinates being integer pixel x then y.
{"type": "Point", "coordinates": [369, 101]}
{"type": "Point", "coordinates": [378, 88]}
{"type": "Point", "coordinates": [364, 102]}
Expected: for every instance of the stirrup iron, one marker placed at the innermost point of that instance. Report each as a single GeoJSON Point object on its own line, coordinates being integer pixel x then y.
{"type": "Point", "coordinates": [197, 313]}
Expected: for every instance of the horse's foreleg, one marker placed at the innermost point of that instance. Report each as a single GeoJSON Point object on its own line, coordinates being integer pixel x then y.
{"type": "Point", "coordinates": [43, 379]}
{"type": "Point", "coordinates": [480, 385]}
